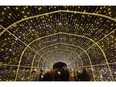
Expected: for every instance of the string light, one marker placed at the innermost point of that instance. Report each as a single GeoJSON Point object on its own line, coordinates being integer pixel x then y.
{"type": "Point", "coordinates": [17, 8]}
{"type": "Point", "coordinates": [2, 12]}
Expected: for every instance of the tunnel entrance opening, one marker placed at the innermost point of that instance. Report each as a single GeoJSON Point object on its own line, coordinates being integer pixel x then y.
{"type": "Point", "coordinates": [59, 65]}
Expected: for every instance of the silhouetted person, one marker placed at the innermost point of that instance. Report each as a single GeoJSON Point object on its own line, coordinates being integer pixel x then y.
{"type": "Point", "coordinates": [40, 75]}
{"type": "Point", "coordinates": [48, 76]}
{"type": "Point", "coordinates": [33, 76]}
{"type": "Point", "coordinates": [57, 76]}
{"type": "Point", "coordinates": [84, 76]}
{"type": "Point", "coordinates": [64, 74]}
{"type": "Point", "coordinates": [77, 77]}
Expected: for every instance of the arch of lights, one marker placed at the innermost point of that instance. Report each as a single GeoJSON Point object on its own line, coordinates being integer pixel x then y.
{"type": "Point", "coordinates": [82, 49]}
{"type": "Point", "coordinates": [96, 42]}
{"type": "Point", "coordinates": [52, 51]}
{"type": "Point", "coordinates": [69, 45]}
{"type": "Point", "coordinates": [55, 45]}
{"type": "Point", "coordinates": [59, 53]}
{"type": "Point", "coordinates": [60, 48]}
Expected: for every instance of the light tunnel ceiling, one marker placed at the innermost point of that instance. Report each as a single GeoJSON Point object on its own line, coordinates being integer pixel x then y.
{"type": "Point", "coordinates": [38, 36]}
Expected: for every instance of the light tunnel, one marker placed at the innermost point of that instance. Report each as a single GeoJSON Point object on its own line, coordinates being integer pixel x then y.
{"type": "Point", "coordinates": [35, 37]}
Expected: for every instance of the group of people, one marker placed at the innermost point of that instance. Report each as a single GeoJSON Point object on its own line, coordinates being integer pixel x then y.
{"type": "Point", "coordinates": [62, 74]}
{"type": "Point", "coordinates": [84, 76]}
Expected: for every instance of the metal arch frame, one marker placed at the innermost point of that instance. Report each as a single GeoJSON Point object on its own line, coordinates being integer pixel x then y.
{"type": "Point", "coordinates": [55, 49]}
{"type": "Point", "coordinates": [97, 46]}
{"type": "Point", "coordinates": [66, 34]}
{"type": "Point", "coordinates": [29, 46]}
{"type": "Point", "coordinates": [84, 52]}
{"type": "Point", "coordinates": [65, 53]}
{"type": "Point", "coordinates": [57, 52]}
{"type": "Point", "coordinates": [87, 49]}
{"type": "Point", "coordinates": [50, 46]}
{"type": "Point", "coordinates": [62, 11]}
{"type": "Point", "coordinates": [88, 13]}
{"type": "Point", "coordinates": [89, 39]}
{"type": "Point", "coordinates": [106, 35]}
{"type": "Point", "coordinates": [78, 12]}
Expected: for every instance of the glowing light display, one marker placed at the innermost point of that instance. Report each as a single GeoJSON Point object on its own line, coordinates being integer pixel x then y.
{"type": "Point", "coordinates": [38, 36]}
